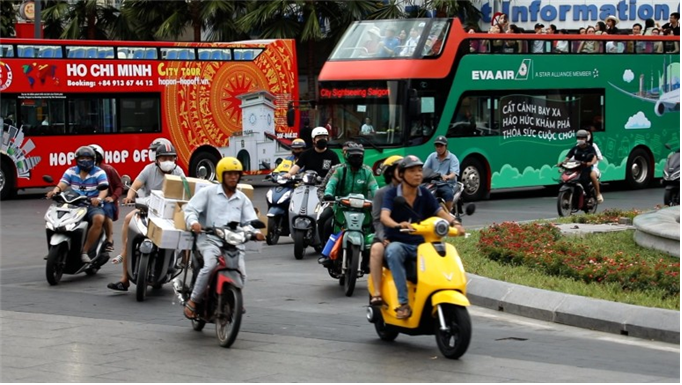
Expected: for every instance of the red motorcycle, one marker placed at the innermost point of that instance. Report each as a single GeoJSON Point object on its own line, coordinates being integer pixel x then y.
{"type": "Point", "coordinates": [222, 302]}
{"type": "Point", "coordinates": [572, 196]}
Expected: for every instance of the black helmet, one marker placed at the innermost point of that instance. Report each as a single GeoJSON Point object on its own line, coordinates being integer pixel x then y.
{"type": "Point", "coordinates": [409, 162]}
{"type": "Point", "coordinates": [165, 149]}
{"type": "Point", "coordinates": [87, 152]}
{"type": "Point", "coordinates": [354, 148]}
{"type": "Point", "coordinates": [441, 140]}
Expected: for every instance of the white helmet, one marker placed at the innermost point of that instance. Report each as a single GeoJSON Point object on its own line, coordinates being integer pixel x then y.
{"type": "Point", "coordinates": [98, 152]}
{"type": "Point", "coordinates": [319, 131]}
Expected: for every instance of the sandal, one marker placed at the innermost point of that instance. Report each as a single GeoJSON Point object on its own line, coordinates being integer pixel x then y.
{"type": "Point", "coordinates": [376, 300]}
{"type": "Point", "coordinates": [118, 286]}
{"type": "Point", "coordinates": [189, 311]}
{"type": "Point", "coordinates": [108, 246]}
{"type": "Point", "coordinates": [403, 312]}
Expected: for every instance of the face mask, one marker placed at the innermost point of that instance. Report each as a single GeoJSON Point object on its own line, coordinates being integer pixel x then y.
{"type": "Point", "coordinates": [86, 165]}
{"type": "Point", "coordinates": [321, 144]}
{"type": "Point", "coordinates": [167, 166]}
{"type": "Point", "coordinates": [581, 142]}
{"type": "Point", "coordinates": [355, 161]}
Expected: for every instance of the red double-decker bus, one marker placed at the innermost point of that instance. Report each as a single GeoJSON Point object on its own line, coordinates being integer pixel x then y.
{"type": "Point", "coordinates": [58, 95]}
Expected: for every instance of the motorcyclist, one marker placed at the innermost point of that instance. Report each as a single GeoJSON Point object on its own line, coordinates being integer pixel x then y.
{"type": "Point", "coordinates": [150, 178]}
{"type": "Point", "coordinates": [325, 180]}
{"type": "Point", "coordinates": [84, 178]}
{"type": "Point", "coordinates": [352, 178]}
{"type": "Point", "coordinates": [319, 158]}
{"type": "Point", "coordinates": [446, 164]}
{"type": "Point", "coordinates": [110, 204]}
{"type": "Point", "coordinates": [584, 153]}
{"type": "Point", "coordinates": [297, 147]}
{"type": "Point", "coordinates": [218, 204]}
{"type": "Point", "coordinates": [389, 169]}
{"type": "Point", "coordinates": [403, 246]}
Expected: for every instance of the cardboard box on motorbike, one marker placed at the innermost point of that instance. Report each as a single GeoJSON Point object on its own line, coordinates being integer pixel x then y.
{"type": "Point", "coordinates": [182, 188]}
{"type": "Point", "coordinates": [162, 207]}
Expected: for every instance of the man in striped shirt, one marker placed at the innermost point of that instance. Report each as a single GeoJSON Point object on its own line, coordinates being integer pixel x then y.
{"type": "Point", "coordinates": [84, 179]}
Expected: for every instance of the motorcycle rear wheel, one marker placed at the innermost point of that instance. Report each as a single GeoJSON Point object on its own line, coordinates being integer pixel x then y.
{"type": "Point", "coordinates": [454, 342]}
{"type": "Point", "coordinates": [141, 280]}
{"type": "Point", "coordinates": [272, 237]}
{"type": "Point", "coordinates": [381, 329]}
{"type": "Point", "coordinates": [56, 259]}
{"type": "Point", "coordinates": [299, 245]}
{"type": "Point", "coordinates": [352, 262]}
{"type": "Point", "coordinates": [564, 203]}
{"type": "Point", "coordinates": [230, 316]}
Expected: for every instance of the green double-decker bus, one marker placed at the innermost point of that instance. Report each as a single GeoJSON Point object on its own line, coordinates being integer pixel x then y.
{"type": "Point", "coordinates": [509, 104]}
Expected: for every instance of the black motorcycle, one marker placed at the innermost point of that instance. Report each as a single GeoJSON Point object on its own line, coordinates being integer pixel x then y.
{"type": "Point", "coordinates": [671, 178]}
{"type": "Point", "coordinates": [432, 180]}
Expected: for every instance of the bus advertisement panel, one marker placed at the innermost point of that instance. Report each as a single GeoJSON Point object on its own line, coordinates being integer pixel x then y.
{"type": "Point", "coordinates": [60, 95]}
{"type": "Point", "coordinates": [509, 116]}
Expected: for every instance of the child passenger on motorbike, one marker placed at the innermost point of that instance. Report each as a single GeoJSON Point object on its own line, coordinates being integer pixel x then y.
{"type": "Point", "coordinates": [217, 205]}
{"type": "Point", "coordinates": [84, 178]}
{"type": "Point", "coordinates": [583, 152]}
{"type": "Point", "coordinates": [352, 178]}
{"type": "Point", "coordinates": [389, 169]}
{"type": "Point", "coordinates": [150, 178]}
{"type": "Point", "coordinates": [402, 246]}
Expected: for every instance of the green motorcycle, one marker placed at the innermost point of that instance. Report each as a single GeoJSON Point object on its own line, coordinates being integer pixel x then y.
{"type": "Point", "coordinates": [353, 219]}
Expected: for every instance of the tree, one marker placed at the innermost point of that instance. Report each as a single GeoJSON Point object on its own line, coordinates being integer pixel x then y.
{"type": "Point", "coordinates": [8, 17]}
{"type": "Point", "coordinates": [82, 19]}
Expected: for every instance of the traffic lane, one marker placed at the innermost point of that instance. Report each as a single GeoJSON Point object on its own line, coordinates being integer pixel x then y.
{"type": "Point", "coordinates": [298, 299]}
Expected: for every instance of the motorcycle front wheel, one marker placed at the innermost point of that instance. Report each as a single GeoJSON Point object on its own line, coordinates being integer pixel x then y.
{"type": "Point", "coordinates": [299, 245]}
{"type": "Point", "coordinates": [229, 316]}
{"type": "Point", "coordinates": [352, 262]}
{"type": "Point", "coordinates": [564, 203]}
{"type": "Point", "coordinates": [272, 237]}
{"type": "Point", "coordinates": [56, 259]}
{"type": "Point", "coordinates": [382, 330]}
{"type": "Point", "coordinates": [454, 341]}
{"type": "Point", "coordinates": [141, 281]}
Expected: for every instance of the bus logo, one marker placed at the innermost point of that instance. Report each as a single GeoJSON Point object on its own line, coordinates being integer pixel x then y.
{"type": "Point", "coordinates": [5, 76]}
{"type": "Point", "coordinates": [524, 69]}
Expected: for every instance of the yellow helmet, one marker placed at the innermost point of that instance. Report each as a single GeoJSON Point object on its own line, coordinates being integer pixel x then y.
{"type": "Point", "coordinates": [390, 161]}
{"type": "Point", "coordinates": [298, 143]}
{"type": "Point", "coordinates": [227, 164]}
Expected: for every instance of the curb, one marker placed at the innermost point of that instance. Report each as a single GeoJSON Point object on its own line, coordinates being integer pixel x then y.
{"type": "Point", "coordinates": [574, 310]}
{"type": "Point", "coordinates": [659, 230]}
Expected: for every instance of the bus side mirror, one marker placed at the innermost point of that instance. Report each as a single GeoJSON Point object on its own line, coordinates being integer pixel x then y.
{"type": "Point", "coordinates": [291, 117]}
{"type": "Point", "coordinates": [414, 104]}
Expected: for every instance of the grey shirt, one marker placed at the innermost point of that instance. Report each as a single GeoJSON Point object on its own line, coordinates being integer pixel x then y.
{"type": "Point", "coordinates": [377, 203]}
{"type": "Point", "coordinates": [152, 178]}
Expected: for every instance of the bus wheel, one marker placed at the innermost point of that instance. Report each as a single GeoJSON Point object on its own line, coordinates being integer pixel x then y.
{"type": "Point", "coordinates": [204, 159]}
{"type": "Point", "coordinates": [475, 178]}
{"type": "Point", "coordinates": [637, 174]}
{"type": "Point", "coordinates": [6, 181]}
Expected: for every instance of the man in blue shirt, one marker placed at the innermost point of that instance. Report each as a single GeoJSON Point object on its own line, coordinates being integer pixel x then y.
{"type": "Point", "coordinates": [84, 179]}
{"type": "Point", "coordinates": [217, 205]}
{"type": "Point", "coordinates": [446, 164]}
{"type": "Point", "coordinates": [403, 246]}
{"type": "Point", "coordinates": [389, 44]}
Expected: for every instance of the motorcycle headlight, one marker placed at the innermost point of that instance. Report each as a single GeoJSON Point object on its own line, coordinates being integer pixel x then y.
{"type": "Point", "coordinates": [441, 228]}
{"type": "Point", "coordinates": [235, 238]}
{"type": "Point", "coordinates": [284, 197]}
{"type": "Point", "coordinates": [146, 247]}
{"type": "Point", "coordinates": [356, 203]}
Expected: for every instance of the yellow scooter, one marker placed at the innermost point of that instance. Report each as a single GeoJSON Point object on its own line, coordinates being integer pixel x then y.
{"type": "Point", "coordinates": [436, 286]}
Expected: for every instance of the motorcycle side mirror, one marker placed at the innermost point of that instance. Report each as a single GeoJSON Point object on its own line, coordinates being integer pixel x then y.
{"type": "Point", "coordinates": [202, 172]}
{"type": "Point", "coordinates": [48, 179]}
{"type": "Point", "coordinates": [102, 187]}
{"type": "Point", "coordinates": [125, 179]}
{"type": "Point", "coordinates": [258, 224]}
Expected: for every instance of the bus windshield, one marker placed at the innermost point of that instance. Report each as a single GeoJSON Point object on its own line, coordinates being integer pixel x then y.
{"type": "Point", "coordinates": [367, 113]}
{"type": "Point", "coordinates": [392, 38]}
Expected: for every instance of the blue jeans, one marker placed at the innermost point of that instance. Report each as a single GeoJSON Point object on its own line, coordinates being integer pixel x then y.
{"type": "Point", "coordinates": [397, 254]}
{"type": "Point", "coordinates": [446, 191]}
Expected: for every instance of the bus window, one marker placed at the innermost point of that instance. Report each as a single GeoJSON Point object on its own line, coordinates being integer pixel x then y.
{"type": "Point", "coordinates": [6, 50]}
{"type": "Point", "coordinates": [8, 110]}
{"type": "Point", "coordinates": [42, 116]}
{"type": "Point", "coordinates": [91, 115]}
{"type": "Point", "coordinates": [591, 108]}
{"type": "Point", "coordinates": [26, 51]}
{"type": "Point", "coordinates": [435, 41]}
{"type": "Point", "coordinates": [472, 118]}
{"type": "Point", "coordinates": [140, 114]}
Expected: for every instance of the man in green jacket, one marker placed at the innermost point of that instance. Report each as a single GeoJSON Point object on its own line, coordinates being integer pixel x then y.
{"type": "Point", "coordinates": [352, 178]}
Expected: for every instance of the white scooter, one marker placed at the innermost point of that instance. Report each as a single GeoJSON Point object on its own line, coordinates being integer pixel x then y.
{"type": "Point", "coordinates": [67, 230]}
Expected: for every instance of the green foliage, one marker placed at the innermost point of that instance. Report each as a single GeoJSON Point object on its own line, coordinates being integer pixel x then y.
{"type": "Point", "coordinates": [596, 260]}
{"type": "Point", "coordinates": [8, 17]}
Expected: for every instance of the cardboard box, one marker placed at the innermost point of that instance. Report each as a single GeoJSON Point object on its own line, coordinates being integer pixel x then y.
{"type": "Point", "coordinates": [161, 206]}
{"type": "Point", "coordinates": [246, 189]}
{"type": "Point", "coordinates": [163, 233]}
{"type": "Point", "coordinates": [174, 186]}
{"type": "Point", "coordinates": [185, 240]}
{"type": "Point", "coordinates": [179, 216]}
